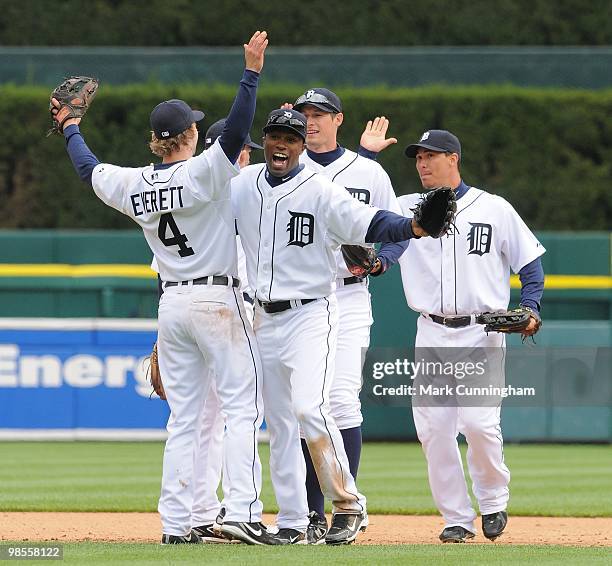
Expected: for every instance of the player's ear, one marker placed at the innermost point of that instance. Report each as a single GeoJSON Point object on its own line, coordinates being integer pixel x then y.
{"type": "Point", "coordinates": [338, 119]}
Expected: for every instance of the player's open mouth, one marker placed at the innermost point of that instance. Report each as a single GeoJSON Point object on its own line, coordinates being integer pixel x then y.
{"type": "Point", "coordinates": [279, 158]}
{"type": "Point", "coordinates": [310, 132]}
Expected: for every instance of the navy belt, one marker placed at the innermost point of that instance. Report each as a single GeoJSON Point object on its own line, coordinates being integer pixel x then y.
{"type": "Point", "coordinates": [214, 280]}
{"type": "Point", "coordinates": [451, 321]}
{"type": "Point", "coordinates": [280, 306]}
{"type": "Point", "coordinates": [352, 280]}
{"type": "Point", "coordinates": [247, 298]}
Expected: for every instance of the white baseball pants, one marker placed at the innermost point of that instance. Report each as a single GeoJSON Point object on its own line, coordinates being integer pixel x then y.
{"type": "Point", "coordinates": [355, 319]}
{"type": "Point", "coordinates": [204, 335]}
{"type": "Point", "coordinates": [210, 463]}
{"type": "Point", "coordinates": [438, 427]}
{"type": "Point", "coordinates": [297, 349]}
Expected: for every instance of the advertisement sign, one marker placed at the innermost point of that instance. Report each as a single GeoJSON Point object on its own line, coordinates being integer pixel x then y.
{"type": "Point", "coordinates": [78, 378]}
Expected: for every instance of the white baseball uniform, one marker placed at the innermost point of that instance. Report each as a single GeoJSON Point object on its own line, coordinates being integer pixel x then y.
{"type": "Point", "coordinates": [290, 234]}
{"type": "Point", "coordinates": [462, 274]}
{"type": "Point", "coordinates": [368, 182]}
{"type": "Point", "coordinates": [185, 212]}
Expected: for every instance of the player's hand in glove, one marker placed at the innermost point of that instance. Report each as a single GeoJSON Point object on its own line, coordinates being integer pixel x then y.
{"type": "Point", "coordinates": [360, 260]}
{"type": "Point", "coordinates": [373, 137]}
{"type": "Point", "coordinates": [70, 101]}
{"type": "Point", "coordinates": [155, 375]}
{"type": "Point", "coordinates": [523, 320]}
{"type": "Point", "coordinates": [435, 213]}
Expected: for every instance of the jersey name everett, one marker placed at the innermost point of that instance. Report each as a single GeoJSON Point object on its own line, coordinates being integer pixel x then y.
{"type": "Point", "coordinates": [184, 211]}
{"type": "Point", "coordinates": [364, 179]}
{"type": "Point", "coordinates": [468, 272]}
{"type": "Point", "coordinates": [290, 233]}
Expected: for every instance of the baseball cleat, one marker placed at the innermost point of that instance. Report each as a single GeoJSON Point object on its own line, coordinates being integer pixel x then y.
{"type": "Point", "coordinates": [191, 538]}
{"type": "Point", "coordinates": [493, 525]}
{"type": "Point", "coordinates": [290, 536]}
{"type": "Point", "coordinates": [208, 534]}
{"type": "Point", "coordinates": [345, 527]}
{"type": "Point", "coordinates": [251, 533]}
{"type": "Point", "coordinates": [455, 534]}
{"type": "Point", "coordinates": [317, 528]}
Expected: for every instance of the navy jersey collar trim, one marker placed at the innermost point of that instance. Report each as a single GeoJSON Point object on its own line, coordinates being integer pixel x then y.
{"type": "Point", "coordinates": [275, 181]}
{"type": "Point", "coordinates": [461, 189]}
{"type": "Point", "coordinates": [327, 157]}
{"type": "Point", "coordinates": [161, 166]}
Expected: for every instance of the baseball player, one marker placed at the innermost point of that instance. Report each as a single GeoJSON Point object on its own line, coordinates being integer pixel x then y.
{"type": "Point", "coordinates": [208, 467]}
{"type": "Point", "coordinates": [184, 209]}
{"type": "Point", "coordinates": [292, 221]}
{"type": "Point", "coordinates": [366, 181]}
{"type": "Point", "coordinates": [448, 280]}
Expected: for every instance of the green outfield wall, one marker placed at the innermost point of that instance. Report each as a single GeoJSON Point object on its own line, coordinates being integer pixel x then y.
{"type": "Point", "coordinates": [569, 67]}
{"type": "Point", "coordinates": [105, 274]}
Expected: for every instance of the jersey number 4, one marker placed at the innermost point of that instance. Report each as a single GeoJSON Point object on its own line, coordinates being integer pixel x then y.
{"type": "Point", "coordinates": [177, 239]}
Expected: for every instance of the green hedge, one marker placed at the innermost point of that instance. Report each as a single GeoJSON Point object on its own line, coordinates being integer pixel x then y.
{"type": "Point", "coordinates": [549, 152]}
{"type": "Point", "coordinates": [317, 22]}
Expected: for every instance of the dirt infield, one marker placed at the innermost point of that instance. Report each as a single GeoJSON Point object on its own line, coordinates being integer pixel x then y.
{"type": "Point", "coordinates": [383, 529]}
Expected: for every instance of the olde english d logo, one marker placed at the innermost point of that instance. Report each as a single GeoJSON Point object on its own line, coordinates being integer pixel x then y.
{"type": "Point", "coordinates": [479, 238]}
{"type": "Point", "coordinates": [301, 229]}
{"type": "Point", "coordinates": [362, 195]}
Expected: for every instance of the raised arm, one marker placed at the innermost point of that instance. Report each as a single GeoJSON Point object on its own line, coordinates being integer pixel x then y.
{"type": "Point", "coordinates": [240, 119]}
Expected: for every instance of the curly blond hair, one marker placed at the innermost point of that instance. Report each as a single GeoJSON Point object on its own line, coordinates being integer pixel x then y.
{"type": "Point", "coordinates": [161, 148]}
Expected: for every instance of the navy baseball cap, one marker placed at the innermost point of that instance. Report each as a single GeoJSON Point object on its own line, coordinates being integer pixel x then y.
{"type": "Point", "coordinates": [216, 130]}
{"type": "Point", "coordinates": [323, 98]}
{"type": "Point", "coordinates": [436, 140]}
{"type": "Point", "coordinates": [293, 120]}
{"type": "Point", "coordinates": [172, 117]}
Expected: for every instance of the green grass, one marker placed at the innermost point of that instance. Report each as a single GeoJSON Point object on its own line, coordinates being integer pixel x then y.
{"type": "Point", "coordinates": [103, 553]}
{"type": "Point", "coordinates": [563, 480]}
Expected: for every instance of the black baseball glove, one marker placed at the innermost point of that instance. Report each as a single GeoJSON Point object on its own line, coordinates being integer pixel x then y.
{"type": "Point", "coordinates": [359, 260]}
{"type": "Point", "coordinates": [74, 96]}
{"type": "Point", "coordinates": [510, 322]}
{"type": "Point", "coordinates": [435, 212]}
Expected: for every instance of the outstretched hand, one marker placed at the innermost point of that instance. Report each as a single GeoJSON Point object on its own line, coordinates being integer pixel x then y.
{"type": "Point", "coordinates": [373, 137]}
{"type": "Point", "coordinates": [254, 51]}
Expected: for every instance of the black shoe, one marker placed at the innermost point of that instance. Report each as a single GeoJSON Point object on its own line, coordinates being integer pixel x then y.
{"type": "Point", "coordinates": [290, 536]}
{"type": "Point", "coordinates": [317, 528]}
{"type": "Point", "coordinates": [493, 525]}
{"type": "Point", "coordinates": [251, 533]}
{"type": "Point", "coordinates": [209, 535]}
{"type": "Point", "coordinates": [455, 534]}
{"type": "Point", "coordinates": [345, 527]}
{"type": "Point", "coordinates": [191, 538]}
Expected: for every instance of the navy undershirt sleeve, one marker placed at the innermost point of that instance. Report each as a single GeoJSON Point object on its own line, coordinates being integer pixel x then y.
{"type": "Point", "coordinates": [386, 226]}
{"type": "Point", "coordinates": [81, 156]}
{"type": "Point", "coordinates": [240, 118]}
{"type": "Point", "coordinates": [532, 284]}
{"type": "Point", "coordinates": [367, 153]}
{"type": "Point", "coordinates": [389, 254]}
